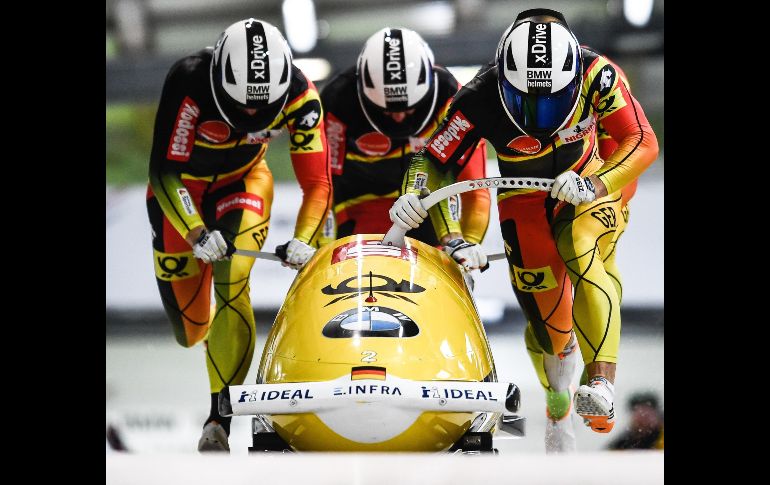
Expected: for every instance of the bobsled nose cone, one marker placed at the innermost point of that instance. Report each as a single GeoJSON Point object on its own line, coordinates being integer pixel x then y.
{"type": "Point", "coordinates": [226, 409]}
{"type": "Point", "coordinates": [512, 399]}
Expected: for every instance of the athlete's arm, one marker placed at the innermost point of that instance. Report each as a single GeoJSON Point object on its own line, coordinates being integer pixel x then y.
{"type": "Point", "coordinates": [475, 203]}
{"type": "Point", "coordinates": [172, 144]}
{"type": "Point", "coordinates": [310, 161]}
{"type": "Point", "coordinates": [624, 120]}
{"type": "Point", "coordinates": [441, 160]}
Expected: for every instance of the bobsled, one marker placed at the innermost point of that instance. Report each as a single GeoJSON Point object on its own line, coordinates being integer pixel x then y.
{"type": "Point", "coordinates": [377, 347]}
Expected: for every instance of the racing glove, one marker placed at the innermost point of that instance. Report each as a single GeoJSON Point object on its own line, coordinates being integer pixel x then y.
{"type": "Point", "coordinates": [211, 246]}
{"type": "Point", "coordinates": [469, 255]}
{"type": "Point", "coordinates": [295, 253]}
{"type": "Point", "coordinates": [407, 212]}
{"type": "Point", "coordinates": [571, 187]}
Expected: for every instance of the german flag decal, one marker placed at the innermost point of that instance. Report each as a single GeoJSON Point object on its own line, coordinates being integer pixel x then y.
{"type": "Point", "coordinates": [367, 372]}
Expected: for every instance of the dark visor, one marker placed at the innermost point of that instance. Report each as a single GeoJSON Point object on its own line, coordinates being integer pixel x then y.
{"type": "Point", "coordinates": [540, 114]}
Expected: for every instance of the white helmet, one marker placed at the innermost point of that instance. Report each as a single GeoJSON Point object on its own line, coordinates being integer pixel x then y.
{"type": "Point", "coordinates": [539, 72]}
{"type": "Point", "coordinates": [251, 68]}
{"type": "Point", "coordinates": [395, 73]}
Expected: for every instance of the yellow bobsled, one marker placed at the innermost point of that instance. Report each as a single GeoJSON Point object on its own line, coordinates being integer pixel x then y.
{"type": "Point", "coordinates": [376, 348]}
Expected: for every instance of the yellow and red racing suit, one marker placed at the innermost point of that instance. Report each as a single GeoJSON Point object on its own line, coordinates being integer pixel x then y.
{"type": "Point", "coordinates": [368, 167]}
{"type": "Point", "coordinates": [203, 172]}
{"type": "Point", "coordinates": [548, 241]}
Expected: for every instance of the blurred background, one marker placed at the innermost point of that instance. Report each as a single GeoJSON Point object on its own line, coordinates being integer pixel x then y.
{"type": "Point", "coordinates": [157, 392]}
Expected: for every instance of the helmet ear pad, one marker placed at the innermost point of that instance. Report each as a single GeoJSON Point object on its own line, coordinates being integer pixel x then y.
{"type": "Point", "coordinates": [395, 74]}
{"type": "Point", "coordinates": [251, 68]}
{"type": "Point", "coordinates": [539, 63]}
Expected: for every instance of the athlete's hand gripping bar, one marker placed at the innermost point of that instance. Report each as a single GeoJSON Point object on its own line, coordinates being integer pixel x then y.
{"type": "Point", "coordinates": [395, 235]}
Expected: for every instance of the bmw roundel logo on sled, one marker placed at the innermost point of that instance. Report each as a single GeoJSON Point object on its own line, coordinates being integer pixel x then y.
{"type": "Point", "coordinates": [373, 321]}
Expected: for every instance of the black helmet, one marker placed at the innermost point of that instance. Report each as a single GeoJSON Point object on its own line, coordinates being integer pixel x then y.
{"type": "Point", "coordinates": [251, 69]}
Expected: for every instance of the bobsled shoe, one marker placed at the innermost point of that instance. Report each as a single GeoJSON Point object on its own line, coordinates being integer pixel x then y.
{"type": "Point", "coordinates": [594, 403]}
{"type": "Point", "coordinates": [214, 438]}
{"type": "Point", "coordinates": [559, 431]}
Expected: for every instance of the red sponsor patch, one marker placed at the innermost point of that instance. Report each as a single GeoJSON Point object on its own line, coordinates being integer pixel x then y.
{"type": "Point", "coordinates": [214, 131]}
{"type": "Point", "coordinates": [371, 247]}
{"type": "Point", "coordinates": [335, 138]}
{"type": "Point", "coordinates": [183, 135]}
{"type": "Point", "coordinates": [525, 144]}
{"type": "Point", "coordinates": [444, 143]}
{"type": "Point", "coordinates": [373, 143]}
{"type": "Point", "coordinates": [240, 200]}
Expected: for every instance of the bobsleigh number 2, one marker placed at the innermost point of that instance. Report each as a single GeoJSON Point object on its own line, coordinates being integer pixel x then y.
{"type": "Point", "coordinates": [376, 348]}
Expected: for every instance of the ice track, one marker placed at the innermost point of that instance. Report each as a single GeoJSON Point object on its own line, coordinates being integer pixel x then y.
{"type": "Point", "coordinates": [598, 468]}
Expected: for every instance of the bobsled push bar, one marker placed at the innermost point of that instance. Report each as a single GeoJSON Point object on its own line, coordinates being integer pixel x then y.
{"type": "Point", "coordinates": [314, 397]}
{"type": "Point", "coordinates": [395, 235]}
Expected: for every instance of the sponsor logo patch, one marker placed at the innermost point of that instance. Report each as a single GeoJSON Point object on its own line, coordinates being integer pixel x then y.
{"type": "Point", "coordinates": [373, 143]}
{"type": "Point", "coordinates": [175, 266]}
{"type": "Point", "coordinates": [539, 79]}
{"type": "Point", "coordinates": [420, 180]}
{"type": "Point", "coordinates": [435, 393]}
{"type": "Point", "coordinates": [533, 280]}
{"type": "Point", "coordinates": [455, 207]}
{"type": "Point", "coordinates": [539, 54]}
{"type": "Point", "coordinates": [187, 202]}
{"type": "Point", "coordinates": [304, 142]}
{"type": "Point", "coordinates": [395, 69]}
{"type": "Point", "coordinates": [284, 395]}
{"type": "Point", "coordinates": [309, 120]}
{"type": "Point", "coordinates": [355, 286]}
{"type": "Point", "coordinates": [258, 137]}
{"type": "Point", "coordinates": [183, 135]}
{"type": "Point", "coordinates": [335, 138]}
{"type": "Point", "coordinates": [606, 80]}
{"type": "Point", "coordinates": [240, 200]}
{"type": "Point", "coordinates": [525, 144]}
{"type": "Point", "coordinates": [451, 135]}
{"type": "Point", "coordinates": [577, 132]}
{"type": "Point", "coordinates": [258, 75]}
{"type": "Point", "coordinates": [607, 216]}
{"type": "Point", "coordinates": [370, 389]}
{"type": "Point", "coordinates": [214, 131]}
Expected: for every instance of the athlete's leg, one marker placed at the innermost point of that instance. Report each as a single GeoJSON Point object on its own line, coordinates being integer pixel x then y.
{"type": "Point", "coordinates": [584, 234]}
{"type": "Point", "coordinates": [544, 292]}
{"type": "Point", "coordinates": [184, 282]}
{"type": "Point", "coordinates": [610, 265]}
{"type": "Point", "coordinates": [241, 212]}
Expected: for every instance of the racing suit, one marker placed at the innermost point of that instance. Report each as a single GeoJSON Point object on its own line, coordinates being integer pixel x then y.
{"type": "Point", "coordinates": [204, 172]}
{"type": "Point", "coordinates": [548, 241]}
{"type": "Point", "coordinates": [368, 167]}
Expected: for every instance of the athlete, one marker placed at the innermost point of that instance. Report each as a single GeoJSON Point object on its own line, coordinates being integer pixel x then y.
{"type": "Point", "coordinates": [538, 104]}
{"type": "Point", "coordinates": [377, 115]}
{"type": "Point", "coordinates": [211, 190]}
{"type": "Point", "coordinates": [559, 432]}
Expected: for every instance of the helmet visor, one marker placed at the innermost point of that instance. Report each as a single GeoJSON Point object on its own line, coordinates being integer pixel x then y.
{"type": "Point", "coordinates": [540, 114]}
